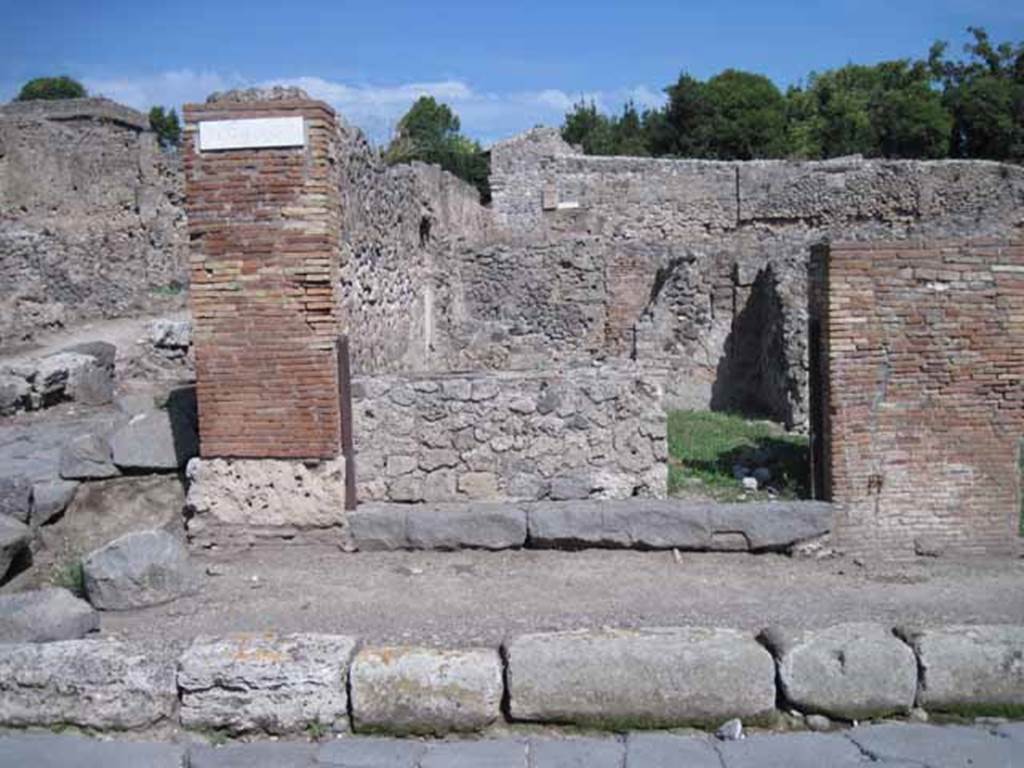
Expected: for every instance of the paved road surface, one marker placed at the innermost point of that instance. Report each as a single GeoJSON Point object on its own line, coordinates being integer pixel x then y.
{"type": "Point", "coordinates": [906, 746]}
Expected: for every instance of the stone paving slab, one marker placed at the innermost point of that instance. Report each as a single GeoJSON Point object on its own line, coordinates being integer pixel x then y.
{"type": "Point", "coordinates": [938, 747]}
{"type": "Point", "coordinates": [881, 746]}
{"type": "Point", "coordinates": [66, 751]}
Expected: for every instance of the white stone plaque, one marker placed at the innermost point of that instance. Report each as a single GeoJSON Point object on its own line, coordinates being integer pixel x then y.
{"type": "Point", "coordinates": [251, 133]}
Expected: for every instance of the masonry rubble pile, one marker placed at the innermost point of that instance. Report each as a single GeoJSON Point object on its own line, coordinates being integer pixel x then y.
{"type": "Point", "coordinates": [621, 679]}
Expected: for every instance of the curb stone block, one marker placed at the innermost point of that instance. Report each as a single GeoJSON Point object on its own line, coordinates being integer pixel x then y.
{"type": "Point", "coordinates": [480, 526]}
{"type": "Point", "coordinates": [425, 690]}
{"type": "Point", "coordinates": [971, 669]}
{"type": "Point", "coordinates": [640, 678]}
{"type": "Point", "coordinates": [266, 682]}
{"type": "Point", "coordinates": [848, 671]}
{"type": "Point", "coordinates": [378, 527]}
{"type": "Point", "coordinates": [652, 524]}
{"type": "Point", "coordinates": [576, 753]}
{"type": "Point", "coordinates": [102, 684]}
{"type": "Point", "coordinates": [669, 750]}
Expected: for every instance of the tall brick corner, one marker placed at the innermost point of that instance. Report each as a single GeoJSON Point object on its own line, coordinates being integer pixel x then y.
{"type": "Point", "coordinates": [917, 365]}
{"type": "Point", "coordinates": [264, 229]}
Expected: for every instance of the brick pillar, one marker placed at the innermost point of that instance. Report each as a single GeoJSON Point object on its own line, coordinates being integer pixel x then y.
{"type": "Point", "coordinates": [263, 220]}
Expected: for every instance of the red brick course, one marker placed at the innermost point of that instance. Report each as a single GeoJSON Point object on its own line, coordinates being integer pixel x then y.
{"type": "Point", "coordinates": [922, 388]}
{"type": "Point", "coordinates": [264, 231]}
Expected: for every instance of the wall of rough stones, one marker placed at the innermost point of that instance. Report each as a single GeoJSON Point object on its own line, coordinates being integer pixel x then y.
{"type": "Point", "coordinates": [91, 217]}
{"type": "Point", "coordinates": [922, 405]}
{"type": "Point", "coordinates": [554, 433]}
{"type": "Point", "coordinates": [694, 266]}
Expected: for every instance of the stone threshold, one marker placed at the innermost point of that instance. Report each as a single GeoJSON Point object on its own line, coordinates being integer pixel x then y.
{"type": "Point", "coordinates": [615, 680]}
{"type": "Point", "coordinates": [639, 523]}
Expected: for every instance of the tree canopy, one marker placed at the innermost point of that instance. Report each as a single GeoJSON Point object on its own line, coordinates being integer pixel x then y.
{"type": "Point", "coordinates": [166, 126]}
{"type": "Point", "coordinates": [942, 107]}
{"type": "Point", "coordinates": [429, 132]}
{"type": "Point", "coordinates": [49, 88]}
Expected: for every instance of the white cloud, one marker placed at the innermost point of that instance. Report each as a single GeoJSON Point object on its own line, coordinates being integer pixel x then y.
{"type": "Point", "coordinates": [487, 116]}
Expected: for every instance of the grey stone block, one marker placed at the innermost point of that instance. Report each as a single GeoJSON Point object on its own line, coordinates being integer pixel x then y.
{"type": "Point", "coordinates": [645, 678]}
{"type": "Point", "coordinates": [87, 457]}
{"type": "Point", "coordinates": [46, 750]}
{"type": "Point", "coordinates": [847, 671]}
{"type": "Point", "coordinates": [14, 539]}
{"type": "Point", "coordinates": [281, 754]}
{"type": "Point", "coordinates": [273, 683]}
{"type": "Point", "coordinates": [937, 747]}
{"type": "Point", "coordinates": [45, 615]}
{"type": "Point", "coordinates": [50, 498]}
{"type": "Point", "coordinates": [577, 753]}
{"type": "Point", "coordinates": [774, 525]}
{"type": "Point", "coordinates": [425, 690]}
{"type": "Point", "coordinates": [157, 440]}
{"type": "Point", "coordinates": [642, 523]}
{"type": "Point", "coordinates": [497, 753]}
{"type": "Point", "coordinates": [365, 752]}
{"type": "Point", "coordinates": [792, 750]}
{"type": "Point", "coordinates": [668, 750]}
{"type": "Point", "coordinates": [93, 385]}
{"type": "Point", "coordinates": [481, 526]}
{"type": "Point", "coordinates": [378, 527]}
{"type": "Point", "coordinates": [137, 570]}
{"type": "Point", "coordinates": [101, 684]}
{"type": "Point", "coordinates": [16, 497]}
{"type": "Point", "coordinates": [970, 668]}
{"type": "Point", "coordinates": [14, 394]}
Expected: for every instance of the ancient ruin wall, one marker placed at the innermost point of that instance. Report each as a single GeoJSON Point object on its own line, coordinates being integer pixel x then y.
{"type": "Point", "coordinates": [562, 434]}
{"type": "Point", "coordinates": [922, 409]}
{"type": "Point", "coordinates": [264, 227]}
{"type": "Point", "coordinates": [91, 217]}
{"type": "Point", "coordinates": [697, 266]}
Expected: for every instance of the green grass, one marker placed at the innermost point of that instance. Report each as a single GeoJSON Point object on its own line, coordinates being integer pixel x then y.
{"type": "Point", "coordinates": [704, 446]}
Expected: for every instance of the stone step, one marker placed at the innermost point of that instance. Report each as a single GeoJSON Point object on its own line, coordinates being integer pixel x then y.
{"type": "Point", "coordinates": [638, 523]}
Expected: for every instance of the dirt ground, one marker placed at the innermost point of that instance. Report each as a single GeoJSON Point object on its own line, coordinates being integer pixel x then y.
{"type": "Point", "coordinates": [470, 597]}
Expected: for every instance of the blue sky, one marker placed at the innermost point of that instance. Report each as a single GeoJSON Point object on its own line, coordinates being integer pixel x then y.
{"type": "Point", "coordinates": [504, 66]}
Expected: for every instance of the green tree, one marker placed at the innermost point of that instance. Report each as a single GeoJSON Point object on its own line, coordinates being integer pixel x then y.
{"type": "Point", "coordinates": [883, 110]}
{"type": "Point", "coordinates": [590, 129]}
{"type": "Point", "coordinates": [747, 116]}
{"type": "Point", "coordinates": [48, 88]}
{"type": "Point", "coordinates": [985, 94]}
{"type": "Point", "coordinates": [429, 132]}
{"type": "Point", "coordinates": [685, 128]}
{"type": "Point", "coordinates": [628, 131]}
{"type": "Point", "coordinates": [166, 126]}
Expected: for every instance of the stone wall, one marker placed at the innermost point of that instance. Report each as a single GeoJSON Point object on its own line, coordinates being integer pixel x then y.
{"type": "Point", "coordinates": [922, 407]}
{"type": "Point", "coordinates": [696, 267]}
{"type": "Point", "coordinates": [264, 229]}
{"type": "Point", "coordinates": [559, 433]}
{"type": "Point", "coordinates": [91, 217]}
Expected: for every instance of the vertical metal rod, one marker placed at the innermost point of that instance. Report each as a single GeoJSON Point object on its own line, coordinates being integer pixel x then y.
{"type": "Point", "coordinates": [345, 413]}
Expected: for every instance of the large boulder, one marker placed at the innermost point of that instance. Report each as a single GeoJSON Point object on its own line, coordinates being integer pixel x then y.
{"type": "Point", "coordinates": [85, 376]}
{"type": "Point", "coordinates": [971, 669]}
{"type": "Point", "coordinates": [158, 440]}
{"type": "Point", "coordinates": [16, 497]}
{"type": "Point", "coordinates": [50, 498]}
{"type": "Point", "coordinates": [847, 671]}
{"type": "Point", "coordinates": [98, 684]}
{"type": "Point", "coordinates": [271, 683]}
{"type": "Point", "coordinates": [44, 615]}
{"type": "Point", "coordinates": [137, 570]}
{"type": "Point", "coordinates": [425, 690]}
{"type": "Point", "coordinates": [14, 539]}
{"type": "Point", "coordinates": [14, 393]}
{"type": "Point", "coordinates": [87, 457]}
{"type": "Point", "coordinates": [171, 336]}
{"type": "Point", "coordinates": [646, 678]}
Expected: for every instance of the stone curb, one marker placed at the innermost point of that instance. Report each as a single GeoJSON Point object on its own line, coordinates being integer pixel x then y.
{"type": "Point", "coordinates": [621, 524]}
{"type": "Point", "coordinates": [612, 679]}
